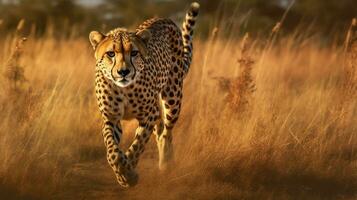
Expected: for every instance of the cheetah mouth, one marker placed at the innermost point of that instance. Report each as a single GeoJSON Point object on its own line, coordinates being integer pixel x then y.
{"type": "Point", "coordinates": [123, 79]}
{"type": "Point", "coordinates": [123, 82]}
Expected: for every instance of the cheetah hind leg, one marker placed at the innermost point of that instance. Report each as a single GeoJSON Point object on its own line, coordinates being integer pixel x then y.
{"type": "Point", "coordinates": [163, 132]}
{"type": "Point", "coordinates": [164, 145]}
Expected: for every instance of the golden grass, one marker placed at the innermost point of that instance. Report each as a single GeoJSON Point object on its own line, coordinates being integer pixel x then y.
{"type": "Point", "coordinates": [290, 146]}
{"type": "Point", "coordinates": [241, 88]}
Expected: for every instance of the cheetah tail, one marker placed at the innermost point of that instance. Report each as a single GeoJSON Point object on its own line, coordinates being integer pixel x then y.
{"type": "Point", "coordinates": [187, 33]}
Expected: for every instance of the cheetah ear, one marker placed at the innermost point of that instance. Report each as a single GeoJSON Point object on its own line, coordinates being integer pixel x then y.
{"type": "Point", "coordinates": [144, 35]}
{"type": "Point", "coordinates": [95, 38]}
{"type": "Point", "coordinates": [140, 39]}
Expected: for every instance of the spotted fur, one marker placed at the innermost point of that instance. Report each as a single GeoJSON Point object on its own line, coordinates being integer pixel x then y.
{"type": "Point", "coordinates": [139, 75]}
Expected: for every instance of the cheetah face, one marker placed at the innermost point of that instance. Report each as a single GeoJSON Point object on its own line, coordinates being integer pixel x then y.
{"type": "Point", "coordinates": [119, 67]}
{"type": "Point", "coordinates": [120, 56]}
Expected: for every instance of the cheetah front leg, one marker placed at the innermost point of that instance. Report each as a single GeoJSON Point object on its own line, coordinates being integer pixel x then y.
{"type": "Point", "coordinates": [117, 160]}
{"type": "Point", "coordinates": [142, 136]}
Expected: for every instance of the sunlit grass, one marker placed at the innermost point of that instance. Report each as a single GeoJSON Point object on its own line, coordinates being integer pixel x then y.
{"type": "Point", "coordinates": [297, 142]}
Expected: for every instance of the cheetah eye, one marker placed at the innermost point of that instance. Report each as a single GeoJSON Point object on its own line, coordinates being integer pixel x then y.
{"type": "Point", "coordinates": [134, 53]}
{"type": "Point", "coordinates": [110, 53]}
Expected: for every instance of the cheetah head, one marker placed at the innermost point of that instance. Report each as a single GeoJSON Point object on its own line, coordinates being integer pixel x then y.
{"type": "Point", "coordinates": [120, 54]}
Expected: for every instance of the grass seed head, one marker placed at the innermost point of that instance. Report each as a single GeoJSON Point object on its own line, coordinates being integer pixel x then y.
{"type": "Point", "coordinates": [14, 73]}
{"type": "Point", "coordinates": [242, 87]}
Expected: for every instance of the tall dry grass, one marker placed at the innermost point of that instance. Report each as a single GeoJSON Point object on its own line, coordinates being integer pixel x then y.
{"type": "Point", "coordinates": [290, 146]}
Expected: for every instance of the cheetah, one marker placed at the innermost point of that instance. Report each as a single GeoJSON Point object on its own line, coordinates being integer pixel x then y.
{"type": "Point", "coordinates": [139, 75]}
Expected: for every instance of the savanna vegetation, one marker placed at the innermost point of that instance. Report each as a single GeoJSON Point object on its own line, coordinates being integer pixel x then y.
{"type": "Point", "coordinates": [265, 116]}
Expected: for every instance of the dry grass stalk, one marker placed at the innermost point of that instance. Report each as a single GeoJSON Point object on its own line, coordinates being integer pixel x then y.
{"type": "Point", "coordinates": [350, 33]}
{"type": "Point", "coordinates": [19, 32]}
{"type": "Point", "coordinates": [214, 32]}
{"type": "Point", "coordinates": [20, 25]}
{"type": "Point", "coordinates": [272, 37]}
{"type": "Point", "coordinates": [242, 87]}
{"type": "Point", "coordinates": [14, 72]}
{"type": "Point", "coordinates": [350, 76]}
{"type": "Point", "coordinates": [348, 88]}
{"type": "Point", "coordinates": [274, 33]}
{"type": "Point", "coordinates": [275, 29]}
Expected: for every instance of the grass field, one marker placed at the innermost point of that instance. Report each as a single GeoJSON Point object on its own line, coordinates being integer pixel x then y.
{"type": "Point", "coordinates": [274, 121]}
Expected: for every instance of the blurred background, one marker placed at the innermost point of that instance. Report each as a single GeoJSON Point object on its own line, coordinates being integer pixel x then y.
{"type": "Point", "coordinates": [78, 17]}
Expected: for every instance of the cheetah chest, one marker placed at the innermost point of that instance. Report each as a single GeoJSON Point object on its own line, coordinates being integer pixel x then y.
{"type": "Point", "coordinates": [139, 103]}
{"type": "Point", "coordinates": [135, 101]}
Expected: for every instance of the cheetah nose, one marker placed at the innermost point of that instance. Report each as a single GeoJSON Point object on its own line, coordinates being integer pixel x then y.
{"type": "Point", "coordinates": [123, 72]}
